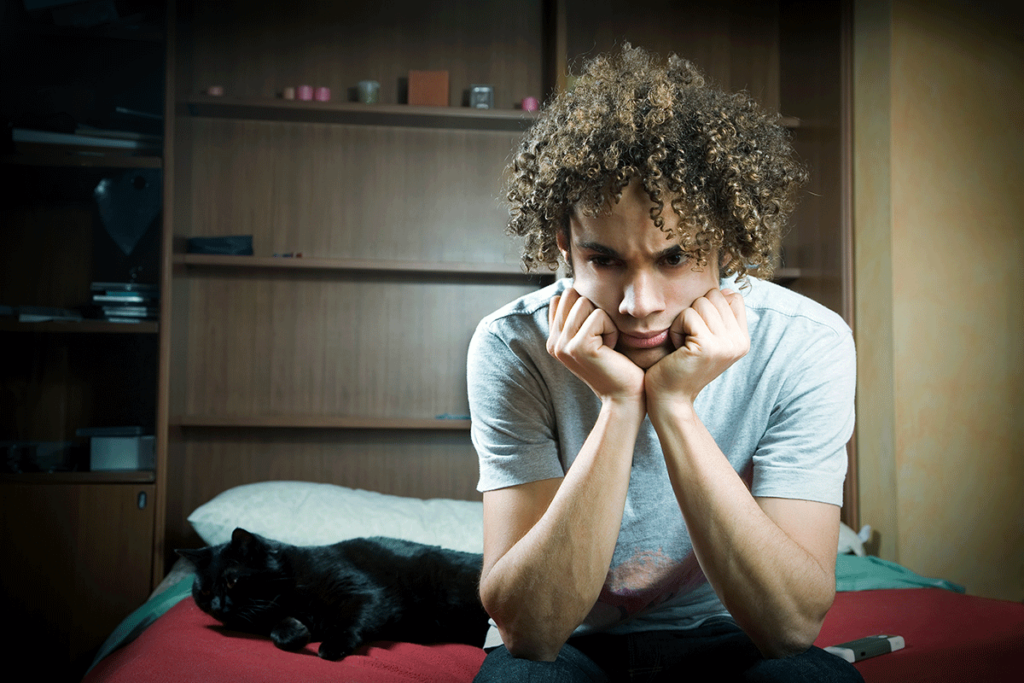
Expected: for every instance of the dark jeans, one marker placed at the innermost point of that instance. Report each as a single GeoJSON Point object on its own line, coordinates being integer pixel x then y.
{"type": "Point", "coordinates": [716, 651]}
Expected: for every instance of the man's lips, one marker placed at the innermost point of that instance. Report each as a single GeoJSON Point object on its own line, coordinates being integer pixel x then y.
{"type": "Point", "coordinates": [646, 341]}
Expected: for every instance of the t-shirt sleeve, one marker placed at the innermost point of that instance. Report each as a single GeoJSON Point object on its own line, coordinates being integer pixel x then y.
{"type": "Point", "coordinates": [803, 451]}
{"type": "Point", "coordinates": [513, 423]}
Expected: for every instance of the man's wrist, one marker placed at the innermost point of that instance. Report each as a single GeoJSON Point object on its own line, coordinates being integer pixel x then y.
{"type": "Point", "coordinates": [679, 411]}
{"type": "Point", "coordinates": [631, 409]}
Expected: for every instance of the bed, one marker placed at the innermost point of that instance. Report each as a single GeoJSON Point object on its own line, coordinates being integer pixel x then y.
{"type": "Point", "coordinates": [949, 636]}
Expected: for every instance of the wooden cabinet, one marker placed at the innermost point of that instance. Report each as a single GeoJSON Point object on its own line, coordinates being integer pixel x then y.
{"type": "Point", "coordinates": [77, 559]}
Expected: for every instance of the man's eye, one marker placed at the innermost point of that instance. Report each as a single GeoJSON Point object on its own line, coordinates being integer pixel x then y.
{"type": "Point", "coordinates": [675, 259]}
{"type": "Point", "coordinates": [601, 261]}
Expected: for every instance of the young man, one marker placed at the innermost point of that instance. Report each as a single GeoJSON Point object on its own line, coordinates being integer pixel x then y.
{"type": "Point", "coordinates": [661, 437]}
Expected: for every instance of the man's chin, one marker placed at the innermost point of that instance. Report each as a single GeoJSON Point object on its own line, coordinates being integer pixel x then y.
{"type": "Point", "coordinates": [645, 358]}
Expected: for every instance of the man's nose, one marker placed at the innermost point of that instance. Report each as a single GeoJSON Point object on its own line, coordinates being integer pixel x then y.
{"type": "Point", "coordinates": [641, 295]}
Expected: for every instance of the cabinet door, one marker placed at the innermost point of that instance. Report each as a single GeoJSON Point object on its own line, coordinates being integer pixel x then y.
{"type": "Point", "coordinates": [77, 560]}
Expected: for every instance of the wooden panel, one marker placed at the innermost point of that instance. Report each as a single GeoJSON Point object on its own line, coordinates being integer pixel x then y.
{"type": "Point", "coordinates": [112, 560]}
{"type": "Point", "coordinates": [255, 49]}
{"type": "Point", "coordinates": [79, 563]}
{"type": "Point", "coordinates": [811, 60]}
{"type": "Point", "coordinates": [352, 191]}
{"type": "Point", "coordinates": [417, 464]}
{"type": "Point", "coordinates": [734, 43]}
{"type": "Point", "coordinates": [339, 345]}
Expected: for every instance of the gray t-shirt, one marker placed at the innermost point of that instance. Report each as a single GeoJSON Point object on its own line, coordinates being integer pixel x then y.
{"type": "Point", "coordinates": [782, 415]}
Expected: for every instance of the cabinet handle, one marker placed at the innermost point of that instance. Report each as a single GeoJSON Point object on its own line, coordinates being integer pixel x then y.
{"type": "Point", "coordinates": [142, 500]}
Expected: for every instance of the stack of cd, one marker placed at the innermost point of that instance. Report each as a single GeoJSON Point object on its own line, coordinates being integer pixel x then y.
{"type": "Point", "coordinates": [126, 302]}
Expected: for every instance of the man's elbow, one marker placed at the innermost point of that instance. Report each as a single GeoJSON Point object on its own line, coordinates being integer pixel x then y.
{"type": "Point", "coordinates": [531, 648]}
{"type": "Point", "coordinates": [779, 647]}
{"type": "Point", "coordinates": [524, 637]}
{"type": "Point", "coordinates": [788, 641]}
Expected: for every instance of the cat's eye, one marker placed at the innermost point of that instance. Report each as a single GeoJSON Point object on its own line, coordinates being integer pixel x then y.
{"type": "Point", "coordinates": [230, 583]}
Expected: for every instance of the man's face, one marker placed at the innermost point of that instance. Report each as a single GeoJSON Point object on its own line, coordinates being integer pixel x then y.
{"type": "Point", "coordinates": [635, 273]}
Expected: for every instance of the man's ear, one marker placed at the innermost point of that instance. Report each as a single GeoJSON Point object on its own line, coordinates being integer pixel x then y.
{"type": "Point", "coordinates": [562, 239]}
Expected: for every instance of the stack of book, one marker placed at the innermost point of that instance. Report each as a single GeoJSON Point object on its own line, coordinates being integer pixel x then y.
{"type": "Point", "coordinates": [126, 302]}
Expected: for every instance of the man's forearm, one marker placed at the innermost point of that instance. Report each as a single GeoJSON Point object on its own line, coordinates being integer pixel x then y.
{"type": "Point", "coordinates": [545, 585]}
{"type": "Point", "coordinates": [775, 589]}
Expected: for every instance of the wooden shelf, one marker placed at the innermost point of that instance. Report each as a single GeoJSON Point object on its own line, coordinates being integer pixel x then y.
{"type": "Point", "coordinates": [74, 160]}
{"type": "Point", "coordinates": [328, 264]}
{"type": "Point", "coordinates": [784, 276]}
{"type": "Point", "coordinates": [81, 327]}
{"type": "Point", "coordinates": [321, 422]}
{"type": "Point", "coordinates": [111, 477]}
{"type": "Point", "coordinates": [354, 113]}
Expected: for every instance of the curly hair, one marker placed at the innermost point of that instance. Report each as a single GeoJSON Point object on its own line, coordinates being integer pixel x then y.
{"type": "Point", "coordinates": [725, 165]}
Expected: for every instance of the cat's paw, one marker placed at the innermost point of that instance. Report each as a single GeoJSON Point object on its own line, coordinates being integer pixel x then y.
{"type": "Point", "coordinates": [291, 634]}
{"type": "Point", "coordinates": [334, 650]}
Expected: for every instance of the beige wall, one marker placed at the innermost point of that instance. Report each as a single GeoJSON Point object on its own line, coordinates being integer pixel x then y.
{"type": "Point", "coordinates": [939, 253]}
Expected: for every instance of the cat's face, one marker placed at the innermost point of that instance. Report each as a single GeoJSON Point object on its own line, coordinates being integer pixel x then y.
{"type": "Point", "coordinates": [238, 583]}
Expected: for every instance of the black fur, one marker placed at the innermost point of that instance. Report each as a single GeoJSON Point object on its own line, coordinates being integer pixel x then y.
{"type": "Point", "coordinates": [342, 595]}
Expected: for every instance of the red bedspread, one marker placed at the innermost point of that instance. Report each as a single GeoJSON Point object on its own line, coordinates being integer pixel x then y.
{"type": "Point", "coordinates": [949, 638]}
{"type": "Point", "coordinates": [186, 645]}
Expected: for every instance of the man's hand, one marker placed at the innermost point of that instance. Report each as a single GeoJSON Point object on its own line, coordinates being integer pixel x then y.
{"type": "Point", "coordinates": [583, 338]}
{"type": "Point", "coordinates": [709, 337]}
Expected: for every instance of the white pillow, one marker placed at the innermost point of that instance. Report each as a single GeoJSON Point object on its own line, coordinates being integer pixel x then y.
{"type": "Point", "coordinates": [852, 542]}
{"type": "Point", "coordinates": [304, 513]}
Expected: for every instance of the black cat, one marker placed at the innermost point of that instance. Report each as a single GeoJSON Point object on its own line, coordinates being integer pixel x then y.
{"type": "Point", "coordinates": [343, 595]}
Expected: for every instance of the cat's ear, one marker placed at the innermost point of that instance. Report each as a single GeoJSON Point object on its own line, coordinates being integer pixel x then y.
{"type": "Point", "coordinates": [240, 536]}
{"type": "Point", "coordinates": [246, 543]}
{"type": "Point", "coordinates": [197, 557]}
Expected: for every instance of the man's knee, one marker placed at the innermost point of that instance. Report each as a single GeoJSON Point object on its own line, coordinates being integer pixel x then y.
{"type": "Point", "coordinates": [571, 666]}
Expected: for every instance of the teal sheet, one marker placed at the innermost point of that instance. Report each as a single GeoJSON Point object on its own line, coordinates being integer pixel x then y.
{"type": "Point", "coordinates": [137, 622]}
{"type": "Point", "coordinates": [853, 573]}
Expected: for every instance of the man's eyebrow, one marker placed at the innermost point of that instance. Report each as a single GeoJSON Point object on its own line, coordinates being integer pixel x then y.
{"type": "Point", "coordinates": [674, 250]}
{"type": "Point", "coordinates": [599, 248]}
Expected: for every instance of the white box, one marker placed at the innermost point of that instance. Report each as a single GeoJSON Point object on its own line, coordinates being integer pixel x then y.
{"type": "Point", "coordinates": [122, 453]}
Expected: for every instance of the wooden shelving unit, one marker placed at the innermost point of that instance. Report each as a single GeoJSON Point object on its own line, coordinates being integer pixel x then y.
{"type": "Point", "coordinates": [336, 360]}
{"type": "Point", "coordinates": [78, 544]}
{"type": "Point", "coordinates": [330, 366]}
